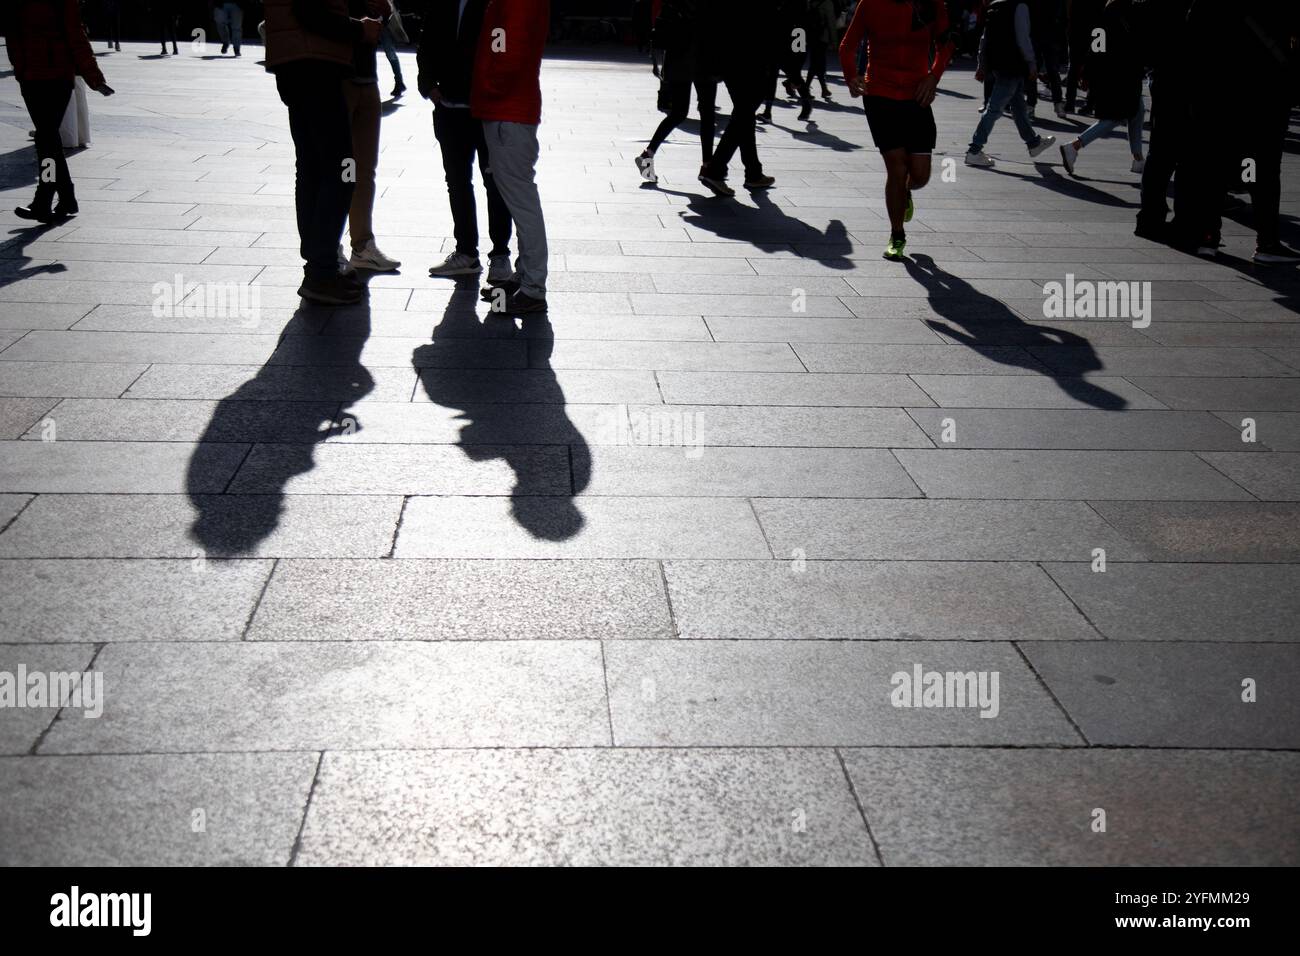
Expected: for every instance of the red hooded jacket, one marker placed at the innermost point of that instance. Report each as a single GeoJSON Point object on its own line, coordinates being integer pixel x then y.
{"type": "Point", "coordinates": [507, 68]}
{"type": "Point", "coordinates": [46, 41]}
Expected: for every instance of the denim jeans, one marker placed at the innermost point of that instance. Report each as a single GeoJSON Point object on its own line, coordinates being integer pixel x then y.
{"type": "Point", "coordinates": [1007, 90]}
{"type": "Point", "coordinates": [229, 18]}
{"type": "Point", "coordinates": [512, 159]}
{"type": "Point", "coordinates": [1104, 127]}
{"type": "Point", "coordinates": [460, 137]}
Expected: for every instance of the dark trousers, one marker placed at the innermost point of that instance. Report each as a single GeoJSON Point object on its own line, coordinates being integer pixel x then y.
{"type": "Point", "coordinates": [1051, 72]}
{"type": "Point", "coordinates": [47, 100]}
{"type": "Point", "coordinates": [679, 99]}
{"type": "Point", "coordinates": [1266, 135]}
{"type": "Point", "coordinates": [322, 142]}
{"type": "Point", "coordinates": [460, 137]}
{"type": "Point", "coordinates": [746, 92]}
{"type": "Point", "coordinates": [1168, 121]}
{"type": "Point", "coordinates": [817, 62]}
{"type": "Point", "coordinates": [167, 28]}
{"type": "Point", "coordinates": [1078, 53]}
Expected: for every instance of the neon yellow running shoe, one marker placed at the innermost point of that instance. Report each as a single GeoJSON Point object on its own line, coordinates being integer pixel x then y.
{"type": "Point", "coordinates": [894, 249]}
{"type": "Point", "coordinates": [910, 210]}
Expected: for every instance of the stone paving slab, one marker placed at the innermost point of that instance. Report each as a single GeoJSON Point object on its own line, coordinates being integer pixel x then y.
{"type": "Point", "coordinates": [817, 693]}
{"type": "Point", "coordinates": [1230, 531]}
{"type": "Point", "coordinates": [1274, 476]}
{"type": "Point", "coordinates": [1175, 695]}
{"type": "Point", "coordinates": [307, 696]}
{"type": "Point", "coordinates": [1042, 428]}
{"type": "Point", "coordinates": [17, 415]}
{"type": "Point", "coordinates": [117, 467]}
{"type": "Point", "coordinates": [23, 726]}
{"type": "Point", "coordinates": [585, 807]}
{"type": "Point", "coordinates": [153, 810]}
{"type": "Point", "coordinates": [929, 807]}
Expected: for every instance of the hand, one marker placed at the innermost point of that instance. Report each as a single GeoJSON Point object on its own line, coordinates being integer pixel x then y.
{"type": "Point", "coordinates": [979, 76]}
{"type": "Point", "coordinates": [105, 90]}
{"type": "Point", "coordinates": [926, 89]}
{"type": "Point", "coordinates": [370, 28]}
{"type": "Point", "coordinates": [857, 85]}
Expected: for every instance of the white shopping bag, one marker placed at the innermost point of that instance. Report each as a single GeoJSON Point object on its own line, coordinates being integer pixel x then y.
{"type": "Point", "coordinates": [75, 128]}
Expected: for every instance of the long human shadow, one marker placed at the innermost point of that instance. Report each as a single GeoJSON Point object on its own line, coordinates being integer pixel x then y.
{"type": "Point", "coordinates": [516, 415]}
{"type": "Point", "coordinates": [15, 262]}
{"type": "Point", "coordinates": [298, 398]}
{"type": "Point", "coordinates": [767, 227]}
{"type": "Point", "coordinates": [980, 321]}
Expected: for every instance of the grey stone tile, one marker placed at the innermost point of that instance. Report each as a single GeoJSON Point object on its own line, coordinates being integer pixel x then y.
{"type": "Point", "coordinates": [328, 696]}
{"type": "Point", "coordinates": [19, 414]}
{"type": "Point", "coordinates": [938, 530]}
{"type": "Point", "coordinates": [174, 526]}
{"type": "Point", "coordinates": [76, 467]}
{"type": "Point", "coordinates": [767, 305]}
{"type": "Point", "coordinates": [1244, 394]}
{"type": "Point", "coordinates": [144, 810]}
{"type": "Point", "coordinates": [1273, 476]}
{"type": "Point", "coordinates": [1235, 531]}
{"type": "Point", "coordinates": [1036, 807]}
{"type": "Point", "coordinates": [462, 600]}
{"type": "Point", "coordinates": [1161, 361]}
{"type": "Point", "coordinates": [585, 807]}
{"type": "Point", "coordinates": [1186, 602]}
{"type": "Point", "coordinates": [188, 420]}
{"type": "Point", "coordinates": [788, 388]}
{"type": "Point", "coordinates": [140, 347]}
{"type": "Point", "coordinates": [400, 352]}
{"type": "Point", "coordinates": [777, 425]}
{"type": "Point", "coordinates": [1258, 334]}
{"type": "Point", "coordinates": [690, 356]}
{"type": "Point", "coordinates": [936, 359]}
{"type": "Point", "coordinates": [41, 315]}
{"type": "Point", "coordinates": [273, 383]}
{"type": "Point", "coordinates": [541, 386]}
{"type": "Point", "coordinates": [1064, 428]}
{"type": "Point", "coordinates": [66, 379]}
{"type": "Point", "coordinates": [354, 469]}
{"type": "Point", "coordinates": [905, 600]}
{"type": "Point", "coordinates": [561, 527]}
{"type": "Point", "coordinates": [1175, 695]}
{"type": "Point", "coordinates": [22, 726]}
{"type": "Point", "coordinates": [1099, 475]}
{"type": "Point", "coordinates": [749, 472]}
{"type": "Point", "coordinates": [816, 693]}
{"type": "Point", "coordinates": [731, 328]}
{"type": "Point", "coordinates": [60, 601]}
{"type": "Point", "coordinates": [1033, 391]}
{"type": "Point", "coordinates": [11, 506]}
{"type": "Point", "coordinates": [1279, 431]}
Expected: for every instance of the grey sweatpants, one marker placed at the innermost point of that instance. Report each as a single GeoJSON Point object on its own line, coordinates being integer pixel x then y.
{"type": "Point", "coordinates": [512, 156]}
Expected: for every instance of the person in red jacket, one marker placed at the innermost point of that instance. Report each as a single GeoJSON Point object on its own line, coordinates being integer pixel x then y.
{"type": "Point", "coordinates": [897, 90]}
{"type": "Point", "coordinates": [48, 48]}
{"type": "Point", "coordinates": [506, 95]}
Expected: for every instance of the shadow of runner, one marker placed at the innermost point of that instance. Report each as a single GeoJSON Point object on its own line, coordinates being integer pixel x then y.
{"type": "Point", "coordinates": [507, 412]}
{"type": "Point", "coordinates": [294, 407]}
{"type": "Point", "coordinates": [983, 322]}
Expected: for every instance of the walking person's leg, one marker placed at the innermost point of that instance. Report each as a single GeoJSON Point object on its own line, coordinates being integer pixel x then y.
{"type": "Point", "coordinates": [706, 101]}
{"type": "Point", "coordinates": [458, 135]}
{"type": "Point", "coordinates": [1162, 152]}
{"type": "Point", "coordinates": [1270, 130]}
{"type": "Point", "coordinates": [1000, 94]}
{"type": "Point", "coordinates": [390, 51]}
{"type": "Point", "coordinates": [512, 154]}
{"type": "Point", "coordinates": [221, 18]}
{"type": "Point", "coordinates": [236, 18]}
{"type": "Point", "coordinates": [500, 225]}
{"type": "Point", "coordinates": [47, 101]}
{"type": "Point", "coordinates": [1135, 134]}
{"type": "Point", "coordinates": [679, 93]}
{"type": "Point", "coordinates": [364, 113]}
{"type": "Point", "coordinates": [1070, 151]}
{"type": "Point", "coordinates": [1020, 114]}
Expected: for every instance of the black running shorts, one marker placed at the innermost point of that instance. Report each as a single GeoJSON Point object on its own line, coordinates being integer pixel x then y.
{"type": "Point", "coordinates": [900, 124]}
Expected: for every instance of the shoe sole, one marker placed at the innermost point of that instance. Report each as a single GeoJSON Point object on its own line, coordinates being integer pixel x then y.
{"type": "Point", "coordinates": [719, 189]}
{"type": "Point", "coordinates": [447, 273]}
{"type": "Point", "coordinates": [320, 299]}
{"type": "Point", "coordinates": [374, 267]}
{"type": "Point", "coordinates": [1040, 149]}
{"type": "Point", "coordinates": [1067, 162]}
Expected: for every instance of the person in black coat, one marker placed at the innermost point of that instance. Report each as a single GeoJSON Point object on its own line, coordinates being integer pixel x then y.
{"type": "Point", "coordinates": [1113, 75]}
{"type": "Point", "coordinates": [445, 56]}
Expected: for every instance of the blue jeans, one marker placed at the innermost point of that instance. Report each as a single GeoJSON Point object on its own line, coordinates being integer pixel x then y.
{"type": "Point", "coordinates": [1007, 90]}
{"type": "Point", "coordinates": [1103, 127]}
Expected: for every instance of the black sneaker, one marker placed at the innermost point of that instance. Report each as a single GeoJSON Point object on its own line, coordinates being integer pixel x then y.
{"type": "Point", "coordinates": [806, 112]}
{"type": "Point", "coordinates": [1275, 253]}
{"type": "Point", "coordinates": [330, 290]}
{"type": "Point", "coordinates": [522, 304]}
{"type": "Point", "coordinates": [1155, 230]}
{"type": "Point", "coordinates": [760, 182]}
{"type": "Point", "coordinates": [717, 183]}
{"type": "Point", "coordinates": [398, 89]}
{"type": "Point", "coordinates": [499, 292]}
{"type": "Point", "coordinates": [224, 48]}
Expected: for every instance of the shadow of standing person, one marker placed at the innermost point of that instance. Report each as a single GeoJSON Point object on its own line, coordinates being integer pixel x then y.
{"type": "Point", "coordinates": [509, 414]}
{"type": "Point", "coordinates": [981, 322]}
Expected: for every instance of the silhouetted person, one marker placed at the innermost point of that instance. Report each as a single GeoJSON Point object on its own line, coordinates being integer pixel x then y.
{"type": "Point", "coordinates": [448, 46]}
{"type": "Point", "coordinates": [309, 47]}
{"type": "Point", "coordinates": [688, 62]}
{"type": "Point", "coordinates": [165, 13]}
{"type": "Point", "coordinates": [745, 41]}
{"type": "Point", "coordinates": [1162, 24]}
{"type": "Point", "coordinates": [1114, 72]}
{"type": "Point", "coordinates": [229, 18]}
{"type": "Point", "coordinates": [111, 10]}
{"type": "Point", "coordinates": [1081, 19]}
{"type": "Point", "coordinates": [507, 97]}
{"type": "Point", "coordinates": [48, 48]}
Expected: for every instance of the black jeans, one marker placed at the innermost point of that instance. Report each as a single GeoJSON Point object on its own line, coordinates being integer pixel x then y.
{"type": "Point", "coordinates": [1168, 122]}
{"type": "Point", "coordinates": [679, 96]}
{"type": "Point", "coordinates": [47, 100]}
{"type": "Point", "coordinates": [1051, 72]}
{"type": "Point", "coordinates": [817, 62]}
{"type": "Point", "coordinates": [322, 142]}
{"type": "Point", "coordinates": [460, 136]}
{"type": "Point", "coordinates": [746, 92]}
{"type": "Point", "coordinates": [1266, 136]}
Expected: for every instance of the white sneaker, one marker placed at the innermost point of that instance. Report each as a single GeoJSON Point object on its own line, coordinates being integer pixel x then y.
{"type": "Point", "coordinates": [1068, 155]}
{"type": "Point", "coordinates": [1044, 143]}
{"type": "Point", "coordinates": [457, 264]}
{"type": "Point", "coordinates": [1138, 166]}
{"type": "Point", "coordinates": [499, 269]}
{"type": "Point", "coordinates": [646, 166]}
{"type": "Point", "coordinates": [371, 258]}
{"type": "Point", "coordinates": [1060, 111]}
{"type": "Point", "coordinates": [979, 159]}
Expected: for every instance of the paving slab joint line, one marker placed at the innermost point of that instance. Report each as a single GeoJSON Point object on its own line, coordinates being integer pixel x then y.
{"type": "Point", "coordinates": [235, 474]}
{"type": "Point", "coordinates": [893, 453]}
{"type": "Point", "coordinates": [609, 706]}
{"type": "Point", "coordinates": [1066, 594]}
{"type": "Point", "coordinates": [853, 792]}
{"type": "Point", "coordinates": [397, 527]}
{"type": "Point", "coordinates": [761, 529]}
{"type": "Point", "coordinates": [1200, 456]}
{"type": "Point", "coordinates": [302, 824]}
{"type": "Point", "coordinates": [921, 427]}
{"type": "Point", "coordinates": [32, 751]}
{"type": "Point", "coordinates": [131, 384]}
{"type": "Point", "coordinates": [248, 623]}
{"type": "Point", "coordinates": [19, 513]}
{"type": "Point", "coordinates": [1028, 663]}
{"type": "Point", "coordinates": [668, 596]}
{"type": "Point", "coordinates": [1146, 558]}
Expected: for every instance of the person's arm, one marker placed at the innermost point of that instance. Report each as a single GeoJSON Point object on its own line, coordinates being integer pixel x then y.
{"type": "Point", "coordinates": [1023, 40]}
{"type": "Point", "coordinates": [82, 55]}
{"type": "Point", "coordinates": [943, 43]}
{"type": "Point", "coordinates": [853, 37]}
{"type": "Point", "coordinates": [981, 60]}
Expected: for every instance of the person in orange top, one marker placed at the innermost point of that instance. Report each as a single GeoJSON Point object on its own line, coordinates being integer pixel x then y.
{"type": "Point", "coordinates": [908, 48]}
